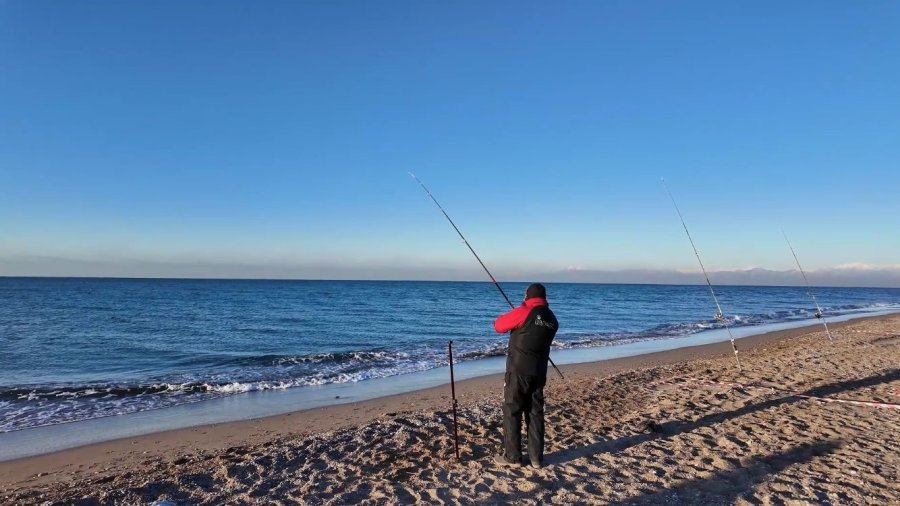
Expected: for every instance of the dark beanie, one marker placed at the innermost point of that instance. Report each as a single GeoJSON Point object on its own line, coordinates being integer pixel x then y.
{"type": "Point", "coordinates": [536, 290]}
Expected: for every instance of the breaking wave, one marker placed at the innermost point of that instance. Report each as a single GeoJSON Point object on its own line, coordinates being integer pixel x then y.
{"type": "Point", "coordinates": [24, 406]}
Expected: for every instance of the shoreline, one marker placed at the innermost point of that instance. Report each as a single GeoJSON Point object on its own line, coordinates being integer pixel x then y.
{"type": "Point", "coordinates": [126, 452]}
{"type": "Point", "coordinates": [52, 438]}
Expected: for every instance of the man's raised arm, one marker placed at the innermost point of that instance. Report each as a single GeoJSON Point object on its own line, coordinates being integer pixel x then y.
{"type": "Point", "coordinates": [511, 320]}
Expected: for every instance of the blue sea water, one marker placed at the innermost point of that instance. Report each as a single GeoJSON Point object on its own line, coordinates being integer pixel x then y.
{"type": "Point", "coordinates": [73, 349]}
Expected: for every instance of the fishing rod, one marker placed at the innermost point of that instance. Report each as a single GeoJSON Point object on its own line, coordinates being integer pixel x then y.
{"type": "Point", "coordinates": [719, 315]}
{"type": "Point", "coordinates": [511, 306]}
{"type": "Point", "coordinates": [808, 288]}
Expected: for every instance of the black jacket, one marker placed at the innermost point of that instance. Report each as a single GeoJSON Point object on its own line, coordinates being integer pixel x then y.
{"type": "Point", "coordinates": [529, 344]}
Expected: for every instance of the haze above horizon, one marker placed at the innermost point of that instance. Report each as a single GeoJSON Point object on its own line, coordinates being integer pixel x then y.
{"type": "Point", "coordinates": [206, 140]}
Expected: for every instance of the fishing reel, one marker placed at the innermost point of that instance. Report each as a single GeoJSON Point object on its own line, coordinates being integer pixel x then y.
{"type": "Point", "coordinates": [719, 316]}
{"type": "Point", "coordinates": [818, 313]}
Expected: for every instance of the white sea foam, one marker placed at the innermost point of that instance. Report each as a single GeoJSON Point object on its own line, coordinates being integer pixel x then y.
{"type": "Point", "coordinates": [29, 407]}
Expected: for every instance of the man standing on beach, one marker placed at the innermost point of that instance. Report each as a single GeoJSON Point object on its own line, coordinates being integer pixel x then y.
{"type": "Point", "coordinates": [532, 327]}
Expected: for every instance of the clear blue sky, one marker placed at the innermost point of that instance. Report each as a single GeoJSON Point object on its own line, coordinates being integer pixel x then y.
{"type": "Point", "coordinates": [281, 132]}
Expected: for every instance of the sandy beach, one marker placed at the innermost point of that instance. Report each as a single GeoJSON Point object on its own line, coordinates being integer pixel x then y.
{"type": "Point", "coordinates": [677, 427]}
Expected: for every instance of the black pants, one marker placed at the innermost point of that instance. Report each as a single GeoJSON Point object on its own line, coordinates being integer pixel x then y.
{"type": "Point", "coordinates": [523, 395]}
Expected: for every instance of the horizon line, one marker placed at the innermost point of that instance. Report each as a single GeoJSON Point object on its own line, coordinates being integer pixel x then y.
{"type": "Point", "coordinates": [213, 278]}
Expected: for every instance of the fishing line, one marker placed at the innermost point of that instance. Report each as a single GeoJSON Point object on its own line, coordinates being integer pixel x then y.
{"type": "Point", "coordinates": [719, 315]}
{"type": "Point", "coordinates": [511, 306]}
{"type": "Point", "coordinates": [808, 288]}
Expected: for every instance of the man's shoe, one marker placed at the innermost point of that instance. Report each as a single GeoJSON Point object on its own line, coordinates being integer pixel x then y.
{"type": "Point", "coordinates": [535, 463]}
{"type": "Point", "coordinates": [503, 461]}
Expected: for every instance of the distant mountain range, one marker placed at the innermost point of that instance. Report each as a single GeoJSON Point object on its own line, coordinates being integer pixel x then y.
{"type": "Point", "coordinates": [850, 275]}
{"type": "Point", "coordinates": [845, 275]}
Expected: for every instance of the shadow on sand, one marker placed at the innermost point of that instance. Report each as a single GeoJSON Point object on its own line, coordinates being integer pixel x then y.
{"type": "Point", "coordinates": [724, 487]}
{"type": "Point", "coordinates": [676, 427]}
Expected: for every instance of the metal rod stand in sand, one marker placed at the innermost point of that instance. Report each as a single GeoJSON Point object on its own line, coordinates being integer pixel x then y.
{"type": "Point", "coordinates": [719, 315]}
{"type": "Point", "coordinates": [808, 288]}
{"type": "Point", "coordinates": [453, 397]}
{"type": "Point", "coordinates": [511, 306]}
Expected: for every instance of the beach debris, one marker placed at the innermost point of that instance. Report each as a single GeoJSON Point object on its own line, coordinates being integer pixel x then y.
{"type": "Point", "coordinates": [650, 425]}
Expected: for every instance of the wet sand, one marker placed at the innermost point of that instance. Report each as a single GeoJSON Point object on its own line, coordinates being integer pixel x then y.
{"type": "Point", "coordinates": [651, 429]}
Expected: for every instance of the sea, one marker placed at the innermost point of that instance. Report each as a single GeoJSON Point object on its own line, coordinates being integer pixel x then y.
{"type": "Point", "coordinates": [75, 348]}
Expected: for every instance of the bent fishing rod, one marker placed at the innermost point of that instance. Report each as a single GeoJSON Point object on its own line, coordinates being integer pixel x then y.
{"type": "Point", "coordinates": [719, 315]}
{"type": "Point", "coordinates": [491, 276]}
{"type": "Point", "coordinates": [808, 288]}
